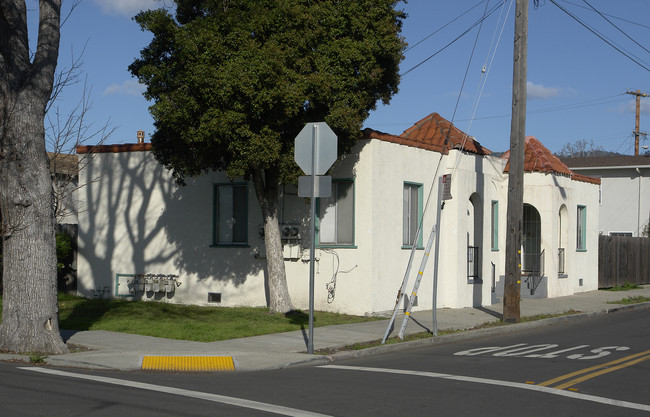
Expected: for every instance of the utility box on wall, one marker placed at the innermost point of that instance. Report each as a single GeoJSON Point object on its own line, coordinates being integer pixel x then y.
{"type": "Point", "coordinates": [132, 285]}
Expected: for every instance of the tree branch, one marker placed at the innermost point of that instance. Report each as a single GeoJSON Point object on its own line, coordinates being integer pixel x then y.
{"type": "Point", "coordinates": [14, 43]}
{"type": "Point", "coordinates": [47, 51]}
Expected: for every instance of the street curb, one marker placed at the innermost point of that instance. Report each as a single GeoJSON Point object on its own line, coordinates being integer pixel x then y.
{"type": "Point", "coordinates": [315, 360]}
{"type": "Point", "coordinates": [464, 335]}
{"type": "Point", "coordinates": [67, 363]}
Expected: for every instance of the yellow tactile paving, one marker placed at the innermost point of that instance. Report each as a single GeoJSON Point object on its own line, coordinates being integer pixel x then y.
{"type": "Point", "coordinates": [188, 363]}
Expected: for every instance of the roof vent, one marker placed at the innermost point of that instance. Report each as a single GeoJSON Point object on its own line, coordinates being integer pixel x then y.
{"type": "Point", "coordinates": [140, 136]}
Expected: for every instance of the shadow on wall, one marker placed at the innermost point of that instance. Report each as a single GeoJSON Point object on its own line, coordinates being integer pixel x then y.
{"type": "Point", "coordinates": [138, 213]}
{"type": "Point", "coordinates": [477, 200]}
{"type": "Point", "coordinates": [118, 194]}
{"type": "Point", "coordinates": [187, 222]}
{"type": "Point", "coordinates": [138, 217]}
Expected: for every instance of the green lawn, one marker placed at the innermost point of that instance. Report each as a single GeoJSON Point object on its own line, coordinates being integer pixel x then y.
{"type": "Point", "coordinates": [172, 321]}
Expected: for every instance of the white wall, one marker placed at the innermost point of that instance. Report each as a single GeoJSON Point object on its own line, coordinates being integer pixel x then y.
{"type": "Point", "coordinates": [139, 221]}
{"type": "Point", "coordinates": [548, 193]}
{"type": "Point", "coordinates": [625, 203]}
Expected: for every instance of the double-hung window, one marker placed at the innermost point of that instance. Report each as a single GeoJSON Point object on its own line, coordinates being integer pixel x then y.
{"type": "Point", "coordinates": [412, 214]}
{"type": "Point", "coordinates": [230, 214]}
{"type": "Point", "coordinates": [581, 243]}
{"type": "Point", "coordinates": [336, 215]}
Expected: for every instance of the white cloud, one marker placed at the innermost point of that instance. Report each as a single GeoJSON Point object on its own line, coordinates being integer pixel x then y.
{"type": "Point", "coordinates": [535, 91]}
{"type": "Point", "coordinates": [127, 8]}
{"type": "Point", "coordinates": [630, 106]}
{"type": "Point", "coordinates": [644, 105]}
{"type": "Point", "coordinates": [129, 87]}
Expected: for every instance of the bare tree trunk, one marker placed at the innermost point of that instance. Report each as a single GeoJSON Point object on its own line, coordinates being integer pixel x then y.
{"type": "Point", "coordinates": [266, 189]}
{"type": "Point", "coordinates": [29, 309]}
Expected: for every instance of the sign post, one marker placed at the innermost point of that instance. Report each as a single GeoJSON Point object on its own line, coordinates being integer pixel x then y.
{"type": "Point", "coordinates": [315, 152]}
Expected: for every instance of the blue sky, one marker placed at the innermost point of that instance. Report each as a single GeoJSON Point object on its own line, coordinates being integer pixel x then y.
{"type": "Point", "coordinates": [577, 82]}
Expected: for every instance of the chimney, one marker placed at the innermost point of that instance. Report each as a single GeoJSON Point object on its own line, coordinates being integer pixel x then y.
{"type": "Point", "coordinates": [140, 136]}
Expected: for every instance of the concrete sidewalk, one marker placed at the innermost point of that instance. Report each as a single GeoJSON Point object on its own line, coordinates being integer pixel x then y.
{"type": "Point", "coordinates": [121, 351]}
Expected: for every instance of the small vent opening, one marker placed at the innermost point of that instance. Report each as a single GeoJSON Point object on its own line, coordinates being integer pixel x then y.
{"type": "Point", "coordinates": [214, 297]}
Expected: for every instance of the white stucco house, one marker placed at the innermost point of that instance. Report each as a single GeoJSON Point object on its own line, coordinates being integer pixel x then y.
{"type": "Point", "coordinates": [624, 191]}
{"type": "Point", "coordinates": [142, 236]}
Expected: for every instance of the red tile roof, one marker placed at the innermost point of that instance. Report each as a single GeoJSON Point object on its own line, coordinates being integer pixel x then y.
{"type": "Point", "coordinates": [127, 147]}
{"type": "Point", "coordinates": [433, 133]}
{"type": "Point", "coordinates": [537, 158]}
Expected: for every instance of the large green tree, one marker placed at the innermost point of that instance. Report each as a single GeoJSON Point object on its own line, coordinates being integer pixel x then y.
{"type": "Point", "coordinates": [29, 304]}
{"type": "Point", "coordinates": [234, 81]}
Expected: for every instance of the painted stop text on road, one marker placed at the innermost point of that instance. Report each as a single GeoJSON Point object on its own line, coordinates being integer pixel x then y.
{"type": "Point", "coordinates": [544, 351]}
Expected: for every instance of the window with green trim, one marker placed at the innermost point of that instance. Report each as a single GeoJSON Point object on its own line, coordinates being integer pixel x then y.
{"type": "Point", "coordinates": [495, 225]}
{"type": "Point", "coordinates": [336, 215]}
{"type": "Point", "coordinates": [412, 214]}
{"type": "Point", "coordinates": [230, 214]}
{"type": "Point", "coordinates": [581, 243]}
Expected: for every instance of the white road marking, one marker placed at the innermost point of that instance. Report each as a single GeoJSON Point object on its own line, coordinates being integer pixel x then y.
{"type": "Point", "coordinates": [555, 354]}
{"type": "Point", "coordinates": [600, 352]}
{"type": "Point", "coordinates": [489, 349]}
{"type": "Point", "coordinates": [523, 349]}
{"type": "Point", "coordinates": [238, 402]}
{"type": "Point", "coordinates": [553, 391]}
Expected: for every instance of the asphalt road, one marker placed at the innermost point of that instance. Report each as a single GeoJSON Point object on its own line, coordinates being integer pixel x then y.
{"type": "Point", "coordinates": [592, 367]}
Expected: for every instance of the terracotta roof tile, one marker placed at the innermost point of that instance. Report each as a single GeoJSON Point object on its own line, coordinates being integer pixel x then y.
{"type": "Point", "coordinates": [433, 133]}
{"type": "Point", "coordinates": [537, 158]}
{"type": "Point", "coordinates": [127, 147]}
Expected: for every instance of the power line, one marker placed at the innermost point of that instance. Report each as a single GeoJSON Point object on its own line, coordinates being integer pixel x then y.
{"type": "Point", "coordinates": [604, 38]}
{"type": "Point", "coordinates": [444, 26]}
{"type": "Point", "coordinates": [457, 38]}
{"type": "Point", "coordinates": [587, 103]}
{"type": "Point", "coordinates": [485, 72]}
{"type": "Point", "coordinates": [600, 36]}
{"type": "Point", "coordinates": [469, 62]}
{"type": "Point", "coordinates": [619, 29]}
{"type": "Point", "coordinates": [612, 16]}
{"type": "Point", "coordinates": [574, 106]}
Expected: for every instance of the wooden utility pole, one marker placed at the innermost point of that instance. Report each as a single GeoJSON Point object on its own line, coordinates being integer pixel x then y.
{"type": "Point", "coordinates": [512, 285]}
{"type": "Point", "coordinates": [637, 133]}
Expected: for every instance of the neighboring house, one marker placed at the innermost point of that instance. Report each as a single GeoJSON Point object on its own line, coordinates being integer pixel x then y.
{"type": "Point", "coordinates": [64, 169]}
{"type": "Point", "coordinates": [143, 236]}
{"type": "Point", "coordinates": [624, 191]}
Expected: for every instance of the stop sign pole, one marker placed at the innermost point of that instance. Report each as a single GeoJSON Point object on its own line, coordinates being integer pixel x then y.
{"type": "Point", "coordinates": [312, 237]}
{"type": "Point", "coordinates": [315, 152]}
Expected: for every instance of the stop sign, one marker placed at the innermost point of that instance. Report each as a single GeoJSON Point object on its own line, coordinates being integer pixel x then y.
{"type": "Point", "coordinates": [315, 140]}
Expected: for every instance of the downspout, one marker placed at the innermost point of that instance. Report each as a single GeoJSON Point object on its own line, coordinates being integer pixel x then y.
{"type": "Point", "coordinates": [638, 209]}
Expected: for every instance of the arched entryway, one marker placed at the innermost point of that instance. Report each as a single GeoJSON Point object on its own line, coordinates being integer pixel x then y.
{"type": "Point", "coordinates": [474, 236]}
{"type": "Point", "coordinates": [531, 240]}
{"type": "Point", "coordinates": [474, 246]}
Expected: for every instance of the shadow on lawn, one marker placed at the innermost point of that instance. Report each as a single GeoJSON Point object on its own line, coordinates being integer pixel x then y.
{"type": "Point", "coordinates": [301, 319]}
{"type": "Point", "coordinates": [82, 314]}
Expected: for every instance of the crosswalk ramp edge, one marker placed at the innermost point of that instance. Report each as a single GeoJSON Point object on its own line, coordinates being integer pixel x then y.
{"type": "Point", "coordinates": [188, 363]}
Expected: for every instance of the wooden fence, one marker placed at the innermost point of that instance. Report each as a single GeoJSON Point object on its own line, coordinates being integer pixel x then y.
{"type": "Point", "coordinates": [623, 259]}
